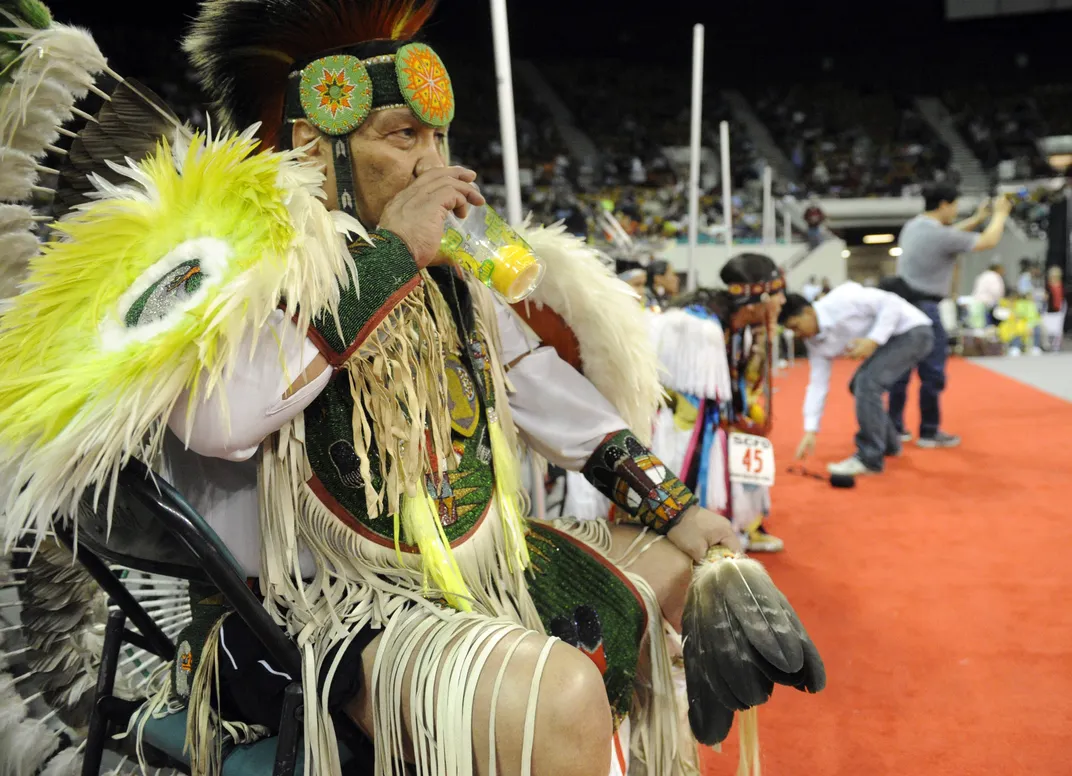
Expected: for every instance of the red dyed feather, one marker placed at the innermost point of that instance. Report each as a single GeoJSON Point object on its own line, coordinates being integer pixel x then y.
{"type": "Point", "coordinates": [332, 24]}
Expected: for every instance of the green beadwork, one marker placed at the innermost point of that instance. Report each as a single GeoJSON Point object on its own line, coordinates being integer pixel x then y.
{"type": "Point", "coordinates": [207, 606]}
{"type": "Point", "coordinates": [425, 84]}
{"type": "Point", "coordinates": [565, 576]}
{"type": "Point", "coordinates": [336, 93]}
{"type": "Point", "coordinates": [462, 498]}
{"type": "Point", "coordinates": [386, 267]}
{"type": "Point", "coordinates": [164, 295]}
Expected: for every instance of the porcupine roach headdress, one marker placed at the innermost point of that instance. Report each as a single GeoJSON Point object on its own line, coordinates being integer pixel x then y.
{"type": "Point", "coordinates": [332, 62]}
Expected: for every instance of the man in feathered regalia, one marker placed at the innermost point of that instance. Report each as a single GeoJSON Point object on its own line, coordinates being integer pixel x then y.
{"type": "Point", "coordinates": [712, 344]}
{"type": "Point", "coordinates": [345, 408]}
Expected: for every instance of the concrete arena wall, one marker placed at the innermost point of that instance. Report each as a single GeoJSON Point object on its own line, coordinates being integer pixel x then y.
{"type": "Point", "coordinates": [825, 261]}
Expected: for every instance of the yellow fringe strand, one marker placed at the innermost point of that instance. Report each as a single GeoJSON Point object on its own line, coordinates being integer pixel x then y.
{"type": "Point", "coordinates": [507, 471]}
{"type": "Point", "coordinates": [422, 528]}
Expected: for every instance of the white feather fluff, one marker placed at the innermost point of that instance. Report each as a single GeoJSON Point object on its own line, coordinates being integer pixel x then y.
{"type": "Point", "coordinates": [692, 350]}
{"type": "Point", "coordinates": [12, 707]}
{"type": "Point", "coordinates": [37, 129]}
{"type": "Point", "coordinates": [606, 317]}
{"type": "Point", "coordinates": [55, 69]}
{"type": "Point", "coordinates": [67, 55]}
{"type": "Point", "coordinates": [65, 763]}
{"type": "Point", "coordinates": [16, 250]}
{"type": "Point", "coordinates": [27, 747]}
{"type": "Point", "coordinates": [15, 218]}
{"type": "Point", "coordinates": [18, 174]}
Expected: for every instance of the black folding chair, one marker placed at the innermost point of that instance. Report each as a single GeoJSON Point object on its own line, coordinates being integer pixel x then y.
{"type": "Point", "coordinates": [154, 530]}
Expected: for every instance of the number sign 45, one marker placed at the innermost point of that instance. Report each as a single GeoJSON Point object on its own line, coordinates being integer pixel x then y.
{"type": "Point", "coordinates": [751, 459]}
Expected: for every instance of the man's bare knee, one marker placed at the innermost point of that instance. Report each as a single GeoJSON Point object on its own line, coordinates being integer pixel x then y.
{"type": "Point", "coordinates": [573, 718]}
{"type": "Point", "coordinates": [573, 723]}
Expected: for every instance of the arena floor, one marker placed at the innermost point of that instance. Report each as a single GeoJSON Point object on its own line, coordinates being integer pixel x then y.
{"type": "Point", "coordinates": [935, 591]}
{"type": "Point", "coordinates": [1051, 372]}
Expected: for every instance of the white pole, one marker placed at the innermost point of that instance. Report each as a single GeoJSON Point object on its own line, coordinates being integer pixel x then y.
{"type": "Point", "coordinates": [770, 229]}
{"type": "Point", "coordinates": [727, 185]}
{"type": "Point", "coordinates": [787, 223]}
{"type": "Point", "coordinates": [500, 30]}
{"type": "Point", "coordinates": [694, 153]}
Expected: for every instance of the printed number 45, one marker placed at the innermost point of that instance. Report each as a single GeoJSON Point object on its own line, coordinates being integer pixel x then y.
{"type": "Point", "coordinates": [753, 461]}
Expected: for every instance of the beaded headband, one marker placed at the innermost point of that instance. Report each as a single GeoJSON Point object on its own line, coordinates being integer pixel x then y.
{"type": "Point", "coordinates": [750, 293]}
{"type": "Point", "coordinates": [336, 92]}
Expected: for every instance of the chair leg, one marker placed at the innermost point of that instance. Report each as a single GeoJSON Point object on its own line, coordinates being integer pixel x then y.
{"type": "Point", "coordinates": [98, 720]}
{"type": "Point", "coordinates": [158, 642]}
{"type": "Point", "coordinates": [290, 729]}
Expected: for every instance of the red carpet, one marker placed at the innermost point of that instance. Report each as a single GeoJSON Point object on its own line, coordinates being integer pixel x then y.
{"type": "Point", "coordinates": [939, 594]}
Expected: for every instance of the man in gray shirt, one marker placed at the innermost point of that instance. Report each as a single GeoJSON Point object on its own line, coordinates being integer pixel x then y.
{"type": "Point", "coordinates": [930, 244]}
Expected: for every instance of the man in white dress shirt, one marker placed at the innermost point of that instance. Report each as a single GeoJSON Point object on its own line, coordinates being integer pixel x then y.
{"type": "Point", "coordinates": [882, 329]}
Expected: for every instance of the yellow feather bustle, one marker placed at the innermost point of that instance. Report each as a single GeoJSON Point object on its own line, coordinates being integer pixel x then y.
{"type": "Point", "coordinates": [90, 368]}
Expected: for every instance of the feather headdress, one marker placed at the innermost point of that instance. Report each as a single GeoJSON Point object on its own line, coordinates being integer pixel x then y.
{"type": "Point", "coordinates": [243, 50]}
{"type": "Point", "coordinates": [152, 283]}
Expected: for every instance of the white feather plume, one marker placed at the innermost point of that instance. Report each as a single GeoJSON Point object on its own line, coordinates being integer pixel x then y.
{"type": "Point", "coordinates": [55, 69]}
{"type": "Point", "coordinates": [65, 763]}
{"type": "Point", "coordinates": [27, 747]}
{"type": "Point", "coordinates": [18, 175]}
{"type": "Point", "coordinates": [15, 218]}
{"type": "Point", "coordinates": [38, 129]}
{"type": "Point", "coordinates": [692, 350]}
{"type": "Point", "coordinates": [66, 56]}
{"type": "Point", "coordinates": [12, 707]}
{"type": "Point", "coordinates": [16, 250]}
{"type": "Point", "coordinates": [606, 317]}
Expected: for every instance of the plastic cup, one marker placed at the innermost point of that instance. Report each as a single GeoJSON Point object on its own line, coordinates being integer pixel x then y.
{"type": "Point", "coordinates": [485, 246]}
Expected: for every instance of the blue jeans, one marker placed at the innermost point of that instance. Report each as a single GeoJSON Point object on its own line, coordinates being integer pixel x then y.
{"type": "Point", "coordinates": [878, 437]}
{"type": "Point", "coordinates": [931, 380]}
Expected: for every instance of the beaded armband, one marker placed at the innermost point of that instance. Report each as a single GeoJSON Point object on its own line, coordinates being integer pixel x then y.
{"type": "Point", "coordinates": [626, 472]}
{"type": "Point", "coordinates": [388, 272]}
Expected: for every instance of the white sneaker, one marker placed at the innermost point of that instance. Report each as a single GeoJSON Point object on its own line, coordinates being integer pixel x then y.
{"type": "Point", "coordinates": [851, 466]}
{"type": "Point", "coordinates": [1036, 351]}
{"type": "Point", "coordinates": [1014, 352]}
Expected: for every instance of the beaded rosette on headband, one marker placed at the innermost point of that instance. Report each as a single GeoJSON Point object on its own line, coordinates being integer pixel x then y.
{"type": "Point", "coordinates": [338, 91]}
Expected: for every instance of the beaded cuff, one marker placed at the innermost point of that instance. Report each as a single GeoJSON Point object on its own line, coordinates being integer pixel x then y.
{"type": "Point", "coordinates": [388, 272]}
{"type": "Point", "coordinates": [627, 473]}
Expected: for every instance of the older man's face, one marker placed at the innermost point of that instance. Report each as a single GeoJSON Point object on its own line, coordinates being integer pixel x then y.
{"type": "Point", "coordinates": [389, 151]}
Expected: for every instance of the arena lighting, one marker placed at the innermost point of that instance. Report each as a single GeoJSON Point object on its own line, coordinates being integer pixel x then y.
{"type": "Point", "coordinates": [846, 253]}
{"type": "Point", "coordinates": [895, 251]}
{"type": "Point", "coordinates": [878, 239]}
